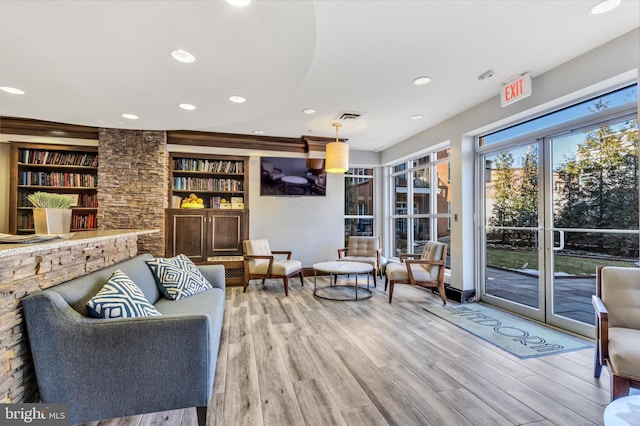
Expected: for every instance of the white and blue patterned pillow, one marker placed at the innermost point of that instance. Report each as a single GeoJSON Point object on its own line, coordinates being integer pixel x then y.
{"type": "Point", "coordinates": [178, 277]}
{"type": "Point", "coordinates": [120, 298]}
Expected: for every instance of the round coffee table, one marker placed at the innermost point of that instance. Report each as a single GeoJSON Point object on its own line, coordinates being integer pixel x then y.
{"type": "Point", "coordinates": [623, 411]}
{"type": "Point", "coordinates": [342, 292]}
{"type": "Point", "coordinates": [294, 185]}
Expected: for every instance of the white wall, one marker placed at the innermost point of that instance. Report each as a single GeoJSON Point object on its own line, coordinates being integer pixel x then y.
{"type": "Point", "coordinates": [603, 68]}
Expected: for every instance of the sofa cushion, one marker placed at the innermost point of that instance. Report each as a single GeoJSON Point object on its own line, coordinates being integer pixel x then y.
{"type": "Point", "coordinates": [177, 277]}
{"type": "Point", "coordinates": [120, 298]}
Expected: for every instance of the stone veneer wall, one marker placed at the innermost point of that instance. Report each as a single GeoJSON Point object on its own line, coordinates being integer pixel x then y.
{"type": "Point", "coordinates": [133, 183]}
{"type": "Point", "coordinates": [23, 274]}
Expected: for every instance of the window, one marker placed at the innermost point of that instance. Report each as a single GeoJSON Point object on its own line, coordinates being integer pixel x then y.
{"type": "Point", "coordinates": [358, 202]}
{"type": "Point", "coordinates": [420, 197]}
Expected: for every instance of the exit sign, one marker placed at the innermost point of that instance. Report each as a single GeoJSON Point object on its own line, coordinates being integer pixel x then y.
{"type": "Point", "coordinates": [515, 90]}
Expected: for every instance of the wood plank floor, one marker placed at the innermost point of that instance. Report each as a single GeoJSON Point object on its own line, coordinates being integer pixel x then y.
{"type": "Point", "coordinates": [300, 360]}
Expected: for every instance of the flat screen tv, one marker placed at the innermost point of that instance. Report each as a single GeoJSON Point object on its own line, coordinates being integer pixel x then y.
{"type": "Point", "coordinates": [292, 176]}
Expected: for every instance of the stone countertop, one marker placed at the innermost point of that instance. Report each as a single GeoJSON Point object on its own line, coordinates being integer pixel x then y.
{"type": "Point", "coordinates": [11, 249]}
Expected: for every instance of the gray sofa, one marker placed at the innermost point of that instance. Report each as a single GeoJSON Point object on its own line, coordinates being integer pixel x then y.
{"type": "Point", "coordinates": [106, 368]}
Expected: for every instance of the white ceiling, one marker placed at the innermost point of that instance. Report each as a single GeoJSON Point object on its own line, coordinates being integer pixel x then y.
{"type": "Point", "coordinates": [88, 62]}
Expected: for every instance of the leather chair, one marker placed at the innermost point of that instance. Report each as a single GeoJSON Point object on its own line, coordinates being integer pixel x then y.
{"type": "Point", "coordinates": [617, 307]}
{"type": "Point", "coordinates": [426, 271]}
{"type": "Point", "coordinates": [363, 249]}
{"type": "Point", "coordinates": [260, 263]}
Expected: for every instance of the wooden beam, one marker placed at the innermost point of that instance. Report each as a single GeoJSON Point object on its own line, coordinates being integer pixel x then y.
{"type": "Point", "coordinates": [32, 127]}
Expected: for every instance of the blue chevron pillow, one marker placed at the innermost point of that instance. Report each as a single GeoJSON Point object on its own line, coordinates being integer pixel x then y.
{"type": "Point", "coordinates": [178, 277]}
{"type": "Point", "coordinates": [120, 298]}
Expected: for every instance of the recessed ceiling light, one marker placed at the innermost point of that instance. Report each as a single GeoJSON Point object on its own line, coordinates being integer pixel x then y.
{"type": "Point", "coordinates": [237, 99]}
{"type": "Point", "coordinates": [416, 116]}
{"type": "Point", "coordinates": [421, 81]}
{"type": "Point", "coordinates": [258, 132]}
{"type": "Point", "coordinates": [183, 56]}
{"type": "Point", "coordinates": [239, 3]}
{"type": "Point", "coordinates": [130, 116]}
{"type": "Point", "coordinates": [309, 111]}
{"type": "Point", "coordinates": [188, 107]}
{"type": "Point", "coordinates": [12, 90]}
{"type": "Point", "coordinates": [604, 7]}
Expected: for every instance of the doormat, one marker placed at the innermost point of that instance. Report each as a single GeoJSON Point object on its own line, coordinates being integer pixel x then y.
{"type": "Point", "coordinates": [516, 335]}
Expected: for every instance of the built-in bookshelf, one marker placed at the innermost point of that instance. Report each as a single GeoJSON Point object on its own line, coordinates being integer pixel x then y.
{"type": "Point", "coordinates": [215, 179]}
{"type": "Point", "coordinates": [61, 169]}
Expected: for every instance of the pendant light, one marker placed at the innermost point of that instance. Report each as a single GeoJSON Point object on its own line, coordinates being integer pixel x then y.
{"type": "Point", "coordinates": [337, 154]}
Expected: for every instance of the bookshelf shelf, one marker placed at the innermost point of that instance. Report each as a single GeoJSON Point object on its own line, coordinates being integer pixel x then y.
{"type": "Point", "coordinates": [61, 169]}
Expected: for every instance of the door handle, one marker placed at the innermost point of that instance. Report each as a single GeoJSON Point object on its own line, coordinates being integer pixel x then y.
{"type": "Point", "coordinates": [560, 245]}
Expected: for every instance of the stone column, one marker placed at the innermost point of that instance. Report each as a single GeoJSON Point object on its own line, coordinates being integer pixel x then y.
{"type": "Point", "coordinates": [133, 183]}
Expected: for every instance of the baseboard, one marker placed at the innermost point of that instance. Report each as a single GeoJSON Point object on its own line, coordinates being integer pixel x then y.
{"type": "Point", "coordinates": [460, 296]}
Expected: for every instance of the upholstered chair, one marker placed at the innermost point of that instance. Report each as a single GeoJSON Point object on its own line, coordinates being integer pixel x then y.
{"type": "Point", "coordinates": [617, 307]}
{"type": "Point", "coordinates": [363, 249]}
{"type": "Point", "coordinates": [425, 270]}
{"type": "Point", "coordinates": [270, 173]}
{"type": "Point", "coordinates": [260, 262]}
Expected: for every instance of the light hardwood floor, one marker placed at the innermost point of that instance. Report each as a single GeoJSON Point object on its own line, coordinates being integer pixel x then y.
{"type": "Point", "coordinates": [299, 360]}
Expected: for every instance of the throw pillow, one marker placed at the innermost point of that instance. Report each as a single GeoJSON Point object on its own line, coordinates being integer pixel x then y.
{"type": "Point", "coordinates": [120, 298]}
{"type": "Point", "coordinates": [178, 277]}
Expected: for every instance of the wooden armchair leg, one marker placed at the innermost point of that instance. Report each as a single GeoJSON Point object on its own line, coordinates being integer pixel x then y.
{"type": "Point", "coordinates": [286, 286]}
{"type": "Point", "coordinates": [443, 294]}
{"type": "Point", "coordinates": [202, 415]}
{"type": "Point", "coordinates": [301, 278]}
{"type": "Point", "coordinates": [390, 291]}
{"type": "Point", "coordinates": [619, 386]}
{"type": "Point", "coordinates": [386, 282]}
{"type": "Point", "coordinates": [246, 283]}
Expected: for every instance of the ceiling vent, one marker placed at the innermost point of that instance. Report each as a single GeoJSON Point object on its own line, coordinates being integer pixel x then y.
{"type": "Point", "coordinates": [349, 115]}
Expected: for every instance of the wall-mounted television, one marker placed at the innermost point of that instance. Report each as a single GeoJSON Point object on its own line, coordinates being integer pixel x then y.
{"type": "Point", "coordinates": [281, 176]}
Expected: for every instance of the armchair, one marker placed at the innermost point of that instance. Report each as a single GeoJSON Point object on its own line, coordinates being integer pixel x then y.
{"type": "Point", "coordinates": [617, 308]}
{"type": "Point", "coordinates": [270, 173]}
{"type": "Point", "coordinates": [260, 262]}
{"type": "Point", "coordinates": [363, 249]}
{"type": "Point", "coordinates": [428, 271]}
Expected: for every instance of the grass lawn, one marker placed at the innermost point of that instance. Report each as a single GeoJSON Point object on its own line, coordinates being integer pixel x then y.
{"type": "Point", "coordinates": [574, 265]}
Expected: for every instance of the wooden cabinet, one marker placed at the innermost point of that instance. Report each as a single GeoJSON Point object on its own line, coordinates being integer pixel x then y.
{"type": "Point", "coordinates": [209, 236]}
{"type": "Point", "coordinates": [61, 169]}
{"type": "Point", "coordinates": [204, 233]}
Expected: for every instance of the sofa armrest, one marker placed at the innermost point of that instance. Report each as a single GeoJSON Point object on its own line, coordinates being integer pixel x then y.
{"type": "Point", "coordinates": [117, 367]}
{"type": "Point", "coordinates": [214, 274]}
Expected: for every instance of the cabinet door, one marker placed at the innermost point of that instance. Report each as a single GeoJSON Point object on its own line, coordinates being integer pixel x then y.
{"type": "Point", "coordinates": [226, 233]}
{"type": "Point", "coordinates": [187, 235]}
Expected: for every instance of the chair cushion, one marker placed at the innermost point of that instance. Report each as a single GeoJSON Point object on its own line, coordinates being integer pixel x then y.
{"type": "Point", "coordinates": [363, 246]}
{"type": "Point", "coordinates": [178, 277]}
{"type": "Point", "coordinates": [432, 251]}
{"type": "Point", "coordinates": [398, 272]}
{"type": "Point", "coordinates": [621, 296]}
{"type": "Point", "coordinates": [257, 247]}
{"type": "Point", "coordinates": [279, 267]}
{"type": "Point", "coordinates": [120, 298]}
{"type": "Point", "coordinates": [624, 351]}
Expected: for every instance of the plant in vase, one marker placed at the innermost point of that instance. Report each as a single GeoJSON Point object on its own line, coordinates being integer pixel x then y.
{"type": "Point", "coordinates": [51, 212]}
